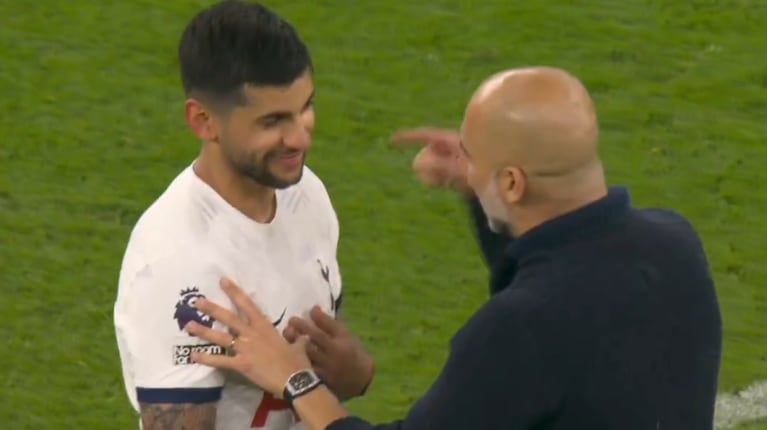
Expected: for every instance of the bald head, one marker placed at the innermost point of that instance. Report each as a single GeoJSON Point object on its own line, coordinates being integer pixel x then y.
{"type": "Point", "coordinates": [531, 136]}
{"type": "Point", "coordinates": [540, 119]}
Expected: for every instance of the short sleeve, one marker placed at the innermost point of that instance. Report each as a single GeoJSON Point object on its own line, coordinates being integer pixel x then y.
{"type": "Point", "coordinates": [152, 309]}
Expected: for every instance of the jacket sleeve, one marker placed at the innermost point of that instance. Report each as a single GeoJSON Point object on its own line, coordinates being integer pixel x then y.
{"type": "Point", "coordinates": [356, 423]}
{"type": "Point", "coordinates": [495, 377]}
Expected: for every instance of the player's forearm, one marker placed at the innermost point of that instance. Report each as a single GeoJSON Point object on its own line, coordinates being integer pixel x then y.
{"type": "Point", "coordinates": [181, 416]}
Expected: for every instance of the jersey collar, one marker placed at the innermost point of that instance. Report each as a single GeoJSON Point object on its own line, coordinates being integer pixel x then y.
{"type": "Point", "coordinates": [560, 231]}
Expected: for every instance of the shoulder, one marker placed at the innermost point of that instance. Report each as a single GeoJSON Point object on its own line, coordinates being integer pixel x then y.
{"type": "Point", "coordinates": [314, 186]}
{"type": "Point", "coordinates": [187, 268]}
{"type": "Point", "coordinates": [666, 234]}
{"type": "Point", "coordinates": [156, 299]}
{"type": "Point", "coordinates": [662, 223]}
{"type": "Point", "coordinates": [170, 246]}
{"type": "Point", "coordinates": [174, 223]}
{"type": "Point", "coordinates": [310, 198]}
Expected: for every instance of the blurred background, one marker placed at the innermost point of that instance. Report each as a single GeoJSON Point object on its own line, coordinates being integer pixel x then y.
{"type": "Point", "coordinates": [92, 131]}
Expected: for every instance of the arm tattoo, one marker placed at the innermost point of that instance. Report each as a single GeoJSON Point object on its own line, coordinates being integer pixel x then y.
{"type": "Point", "coordinates": [183, 416]}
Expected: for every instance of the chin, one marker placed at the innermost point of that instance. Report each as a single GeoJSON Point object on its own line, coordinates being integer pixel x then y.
{"type": "Point", "coordinates": [286, 181]}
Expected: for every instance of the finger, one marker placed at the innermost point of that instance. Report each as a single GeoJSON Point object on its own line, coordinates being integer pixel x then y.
{"type": "Point", "coordinates": [304, 327]}
{"type": "Point", "coordinates": [290, 334]}
{"type": "Point", "coordinates": [441, 150]}
{"type": "Point", "coordinates": [318, 356]}
{"type": "Point", "coordinates": [219, 361]}
{"type": "Point", "coordinates": [325, 322]}
{"type": "Point", "coordinates": [225, 316]}
{"type": "Point", "coordinates": [244, 303]}
{"type": "Point", "coordinates": [233, 332]}
{"type": "Point", "coordinates": [422, 135]}
{"type": "Point", "coordinates": [216, 336]}
{"type": "Point", "coordinates": [430, 163]}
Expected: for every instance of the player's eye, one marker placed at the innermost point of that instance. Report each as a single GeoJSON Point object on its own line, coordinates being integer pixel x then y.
{"type": "Point", "coordinates": [270, 121]}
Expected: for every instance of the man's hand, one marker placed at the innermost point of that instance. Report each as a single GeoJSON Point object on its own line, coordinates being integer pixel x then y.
{"type": "Point", "coordinates": [259, 352]}
{"type": "Point", "coordinates": [336, 354]}
{"type": "Point", "coordinates": [441, 162]}
{"type": "Point", "coordinates": [261, 355]}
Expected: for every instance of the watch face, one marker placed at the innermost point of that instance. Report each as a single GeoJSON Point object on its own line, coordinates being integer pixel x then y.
{"type": "Point", "coordinates": [301, 380]}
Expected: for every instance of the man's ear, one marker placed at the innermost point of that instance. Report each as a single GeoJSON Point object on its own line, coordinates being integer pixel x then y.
{"type": "Point", "coordinates": [512, 184]}
{"type": "Point", "coordinates": [201, 120]}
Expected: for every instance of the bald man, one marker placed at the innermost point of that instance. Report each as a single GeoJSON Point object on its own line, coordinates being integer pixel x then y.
{"type": "Point", "coordinates": [612, 308]}
{"type": "Point", "coordinates": [603, 316]}
{"type": "Point", "coordinates": [609, 311]}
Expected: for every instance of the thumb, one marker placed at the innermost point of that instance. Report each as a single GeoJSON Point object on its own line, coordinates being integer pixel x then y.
{"type": "Point", "coordinates": [325, 322]}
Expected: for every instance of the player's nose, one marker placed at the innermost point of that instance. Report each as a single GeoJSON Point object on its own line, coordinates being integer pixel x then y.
{"type": "Point", "coordinates": [298, 138]}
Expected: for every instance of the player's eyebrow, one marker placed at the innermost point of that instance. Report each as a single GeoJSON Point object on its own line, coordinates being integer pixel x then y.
{"type": "Point", "coordinates": [280, 115]}
{"type": "Point", "coordinates": [310, 99]}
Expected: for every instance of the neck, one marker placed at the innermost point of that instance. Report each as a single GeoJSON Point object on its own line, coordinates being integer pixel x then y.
{"type": "Point", "coordinates": [256, 201]}
{"type": "Point", "coordinates": [535, 216]}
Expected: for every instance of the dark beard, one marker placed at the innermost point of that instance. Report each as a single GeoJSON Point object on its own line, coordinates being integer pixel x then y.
{"type": "Point", "coordinates": [259, 173]}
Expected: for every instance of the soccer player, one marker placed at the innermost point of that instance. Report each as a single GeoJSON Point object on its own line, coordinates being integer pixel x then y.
{"type": "Point", "coordinates": [246, 207]}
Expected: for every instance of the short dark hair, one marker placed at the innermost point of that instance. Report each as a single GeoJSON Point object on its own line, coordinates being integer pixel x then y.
{"type": "Point", "coordinates": [234, 43]}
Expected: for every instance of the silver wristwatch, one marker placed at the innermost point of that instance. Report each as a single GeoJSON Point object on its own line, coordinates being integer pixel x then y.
{"type": "Point", "coordinates": [300, 383]}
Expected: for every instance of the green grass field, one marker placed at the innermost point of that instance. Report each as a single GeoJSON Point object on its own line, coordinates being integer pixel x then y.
{"type": "Point", "coordinates": [91, 131]}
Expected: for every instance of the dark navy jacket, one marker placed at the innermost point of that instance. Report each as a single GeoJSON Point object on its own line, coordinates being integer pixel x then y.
{"type": "Point", "coordinates": [605, 318]}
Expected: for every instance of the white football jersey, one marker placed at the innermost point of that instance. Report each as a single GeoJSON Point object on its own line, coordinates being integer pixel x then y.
{"type": "Point", "coordinates": [181, 246]}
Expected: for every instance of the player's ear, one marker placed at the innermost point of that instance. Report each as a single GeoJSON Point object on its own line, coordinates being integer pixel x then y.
{"type": "Point", "coordinates": [512, 184]}
{"type": "Point", "coordinates": [201, 120]}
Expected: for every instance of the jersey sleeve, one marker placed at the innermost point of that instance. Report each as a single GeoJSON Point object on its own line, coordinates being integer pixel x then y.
{"type": "Point", "coordinates": [150, 315]}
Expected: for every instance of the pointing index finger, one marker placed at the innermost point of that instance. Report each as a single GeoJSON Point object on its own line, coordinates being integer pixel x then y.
{"type": "Point", "coordinates": [422, 135]}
